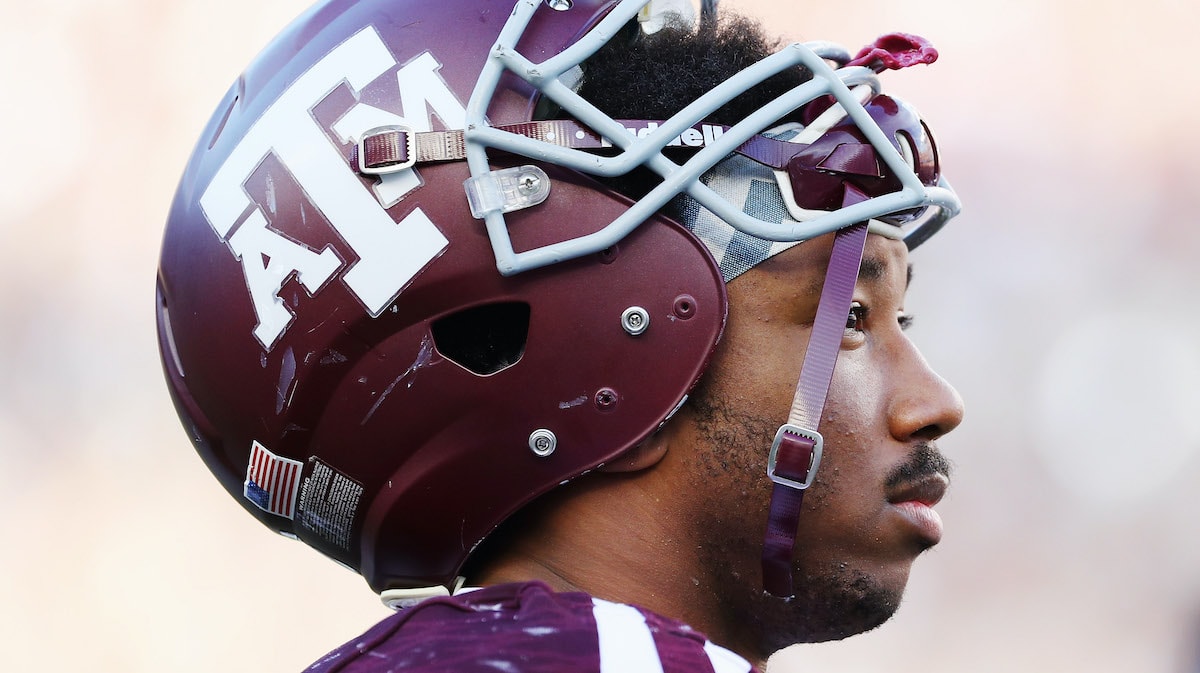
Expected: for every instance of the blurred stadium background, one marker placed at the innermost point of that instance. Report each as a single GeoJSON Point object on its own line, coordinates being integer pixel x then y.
{"type": "Point", "coordinates": [1063, 304]}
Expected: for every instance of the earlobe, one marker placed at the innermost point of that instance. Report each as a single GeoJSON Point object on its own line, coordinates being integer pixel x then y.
{"type": "Point", "coordinates": [641, 457]}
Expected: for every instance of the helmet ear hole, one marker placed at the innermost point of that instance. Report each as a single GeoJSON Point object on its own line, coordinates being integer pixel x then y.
{"type": "Point", "coordinates": [484, 339]}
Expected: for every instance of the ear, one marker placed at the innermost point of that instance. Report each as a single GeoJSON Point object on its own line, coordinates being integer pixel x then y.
{"type": "Point", "coordinates": [641, 457]}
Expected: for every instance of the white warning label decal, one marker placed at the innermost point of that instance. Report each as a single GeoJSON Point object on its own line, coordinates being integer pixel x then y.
{"type": "Point", "coordinates": [328, 503]}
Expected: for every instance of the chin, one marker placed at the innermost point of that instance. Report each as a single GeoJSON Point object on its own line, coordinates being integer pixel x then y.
{"type": "Point", "coordinates": [833, 605]}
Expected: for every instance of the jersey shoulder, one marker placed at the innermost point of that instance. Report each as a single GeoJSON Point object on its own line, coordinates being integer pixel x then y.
{"type": "Point", "coordinates": [529, 628]}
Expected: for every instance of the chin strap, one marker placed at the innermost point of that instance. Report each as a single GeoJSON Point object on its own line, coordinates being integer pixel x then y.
{"type": "Point", "coordinates": [796, 452]}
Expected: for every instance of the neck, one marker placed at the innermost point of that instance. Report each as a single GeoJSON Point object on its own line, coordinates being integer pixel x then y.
{"type": "Point", "coordinates": [613, 536]}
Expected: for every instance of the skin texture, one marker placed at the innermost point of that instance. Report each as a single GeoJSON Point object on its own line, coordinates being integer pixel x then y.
{"type": "Point", "coordinates": [678, 526]}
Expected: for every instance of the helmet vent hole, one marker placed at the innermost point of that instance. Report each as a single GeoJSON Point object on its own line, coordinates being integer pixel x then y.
{"type": "Point", "coordinates": [484, 339]}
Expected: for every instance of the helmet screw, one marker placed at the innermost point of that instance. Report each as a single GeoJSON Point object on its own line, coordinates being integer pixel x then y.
{"type": "Point", "coordinates": [635, 320]}
{"type": "Point", "coordinates": [528, 183]}
{"type": "Point", "coordinates": [542, 442]}
{"type": "Point", "coordinates": [559, 5]}
{"type": "Point", "coordinates": [606, 399]}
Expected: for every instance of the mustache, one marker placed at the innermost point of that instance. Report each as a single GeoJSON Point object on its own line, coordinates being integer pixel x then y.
{"type": "Point", "coordinates": [925, 461]}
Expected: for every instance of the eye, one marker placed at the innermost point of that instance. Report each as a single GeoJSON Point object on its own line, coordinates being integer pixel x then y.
{"type": "Point", "coordinates": [906, 320]}
{"type": "Point", "coordinates": [855, 320]}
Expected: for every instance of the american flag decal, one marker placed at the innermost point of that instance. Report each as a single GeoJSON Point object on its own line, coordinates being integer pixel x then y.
{"type": "Point", "coordinates": [272, 482]}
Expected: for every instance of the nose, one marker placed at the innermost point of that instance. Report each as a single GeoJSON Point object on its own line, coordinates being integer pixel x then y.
{"type": "Point", "coordinates": [923, 405]}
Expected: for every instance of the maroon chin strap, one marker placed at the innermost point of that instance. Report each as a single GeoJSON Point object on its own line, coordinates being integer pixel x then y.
{"type": "Point", "coordinates": [796, 452]}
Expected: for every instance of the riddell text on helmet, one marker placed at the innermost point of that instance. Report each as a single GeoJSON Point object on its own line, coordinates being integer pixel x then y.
{"type": "Point", "coordinates": [701, 135]}
{"type": "Point", "coordinates": [389, 253]}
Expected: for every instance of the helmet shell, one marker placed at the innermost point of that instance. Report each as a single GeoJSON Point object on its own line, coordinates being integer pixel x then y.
{"type": "Point", "coordinates": [315, 379]}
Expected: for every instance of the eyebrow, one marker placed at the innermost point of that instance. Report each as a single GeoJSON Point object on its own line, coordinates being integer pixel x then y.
{"type": "Point", "coordinates": [872, 269]}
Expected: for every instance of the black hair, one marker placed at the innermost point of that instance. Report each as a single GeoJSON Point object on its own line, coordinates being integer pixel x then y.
{"type": "Point", "coordinates": [639, 76]}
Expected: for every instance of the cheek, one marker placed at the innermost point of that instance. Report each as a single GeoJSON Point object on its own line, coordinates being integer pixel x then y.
{"type": "Point", "coordinates": [761, 389]}
{"type": "Point", "coordinates": [759, 364]}
{"type": "Point", "coordinates": [853, 428]}
{"type": "Point", "coordinates": [854, 408]}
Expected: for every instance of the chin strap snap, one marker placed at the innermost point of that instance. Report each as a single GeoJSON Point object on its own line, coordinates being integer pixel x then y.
{"type": "Point", "coordinates": [796, 451]}
{"type": "Point", "coordinates": [402, 599]}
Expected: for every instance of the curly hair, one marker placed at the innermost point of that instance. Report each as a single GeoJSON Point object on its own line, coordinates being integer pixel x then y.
{"type": "Point", "coordinates": [639, 76]}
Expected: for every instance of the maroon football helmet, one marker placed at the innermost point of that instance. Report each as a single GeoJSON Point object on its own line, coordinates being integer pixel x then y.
{"type": "Point", "coordinates": [392, 310]}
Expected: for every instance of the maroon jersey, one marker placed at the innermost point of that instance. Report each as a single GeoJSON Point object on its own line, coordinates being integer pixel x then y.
{"type": "Point", "coordinates": [528, 628]}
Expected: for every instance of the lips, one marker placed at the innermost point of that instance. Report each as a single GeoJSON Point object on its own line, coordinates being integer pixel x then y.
{"type": "Point", "coordinates": [927, 490]}
{"type": "Point", "coordinates": [914, 501]}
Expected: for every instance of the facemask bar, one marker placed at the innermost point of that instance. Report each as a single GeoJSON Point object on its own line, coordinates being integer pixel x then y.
{"type": "Point", "coordinates": [940, 202]}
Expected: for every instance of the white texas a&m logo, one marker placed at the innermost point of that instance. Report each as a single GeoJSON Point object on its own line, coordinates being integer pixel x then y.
{"type": "Point", "coordinates": [389, 253]}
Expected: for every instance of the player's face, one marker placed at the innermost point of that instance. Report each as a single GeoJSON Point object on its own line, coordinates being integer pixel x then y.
{"type": "Point", "coordinates": [867, 517]}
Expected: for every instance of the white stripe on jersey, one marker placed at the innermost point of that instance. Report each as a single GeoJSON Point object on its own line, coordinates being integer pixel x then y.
{"type": "Point", "coordinates": [724, 661]}
{"type": "Point", "coordinates": [626, 644]}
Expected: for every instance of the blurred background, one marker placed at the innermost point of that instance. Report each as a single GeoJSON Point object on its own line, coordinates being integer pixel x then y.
{"type": "Point", "coordinates": [1062, 304]}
